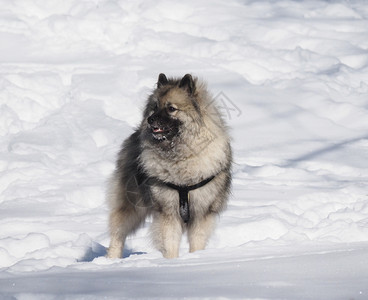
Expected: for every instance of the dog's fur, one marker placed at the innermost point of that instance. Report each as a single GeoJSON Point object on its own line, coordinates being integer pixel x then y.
{"type": "Point", "coordinates": [182, 140]}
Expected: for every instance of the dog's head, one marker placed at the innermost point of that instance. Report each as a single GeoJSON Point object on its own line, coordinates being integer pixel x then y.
{"type": "Point", "coordinates": [172, 110]}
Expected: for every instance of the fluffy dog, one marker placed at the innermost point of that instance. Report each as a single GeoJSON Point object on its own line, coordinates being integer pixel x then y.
{"type": "Point", "coordinates": [176, 167]}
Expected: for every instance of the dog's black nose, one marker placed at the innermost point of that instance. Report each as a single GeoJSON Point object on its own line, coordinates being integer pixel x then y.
{"type": "Point", "coordinates": [151, 119]}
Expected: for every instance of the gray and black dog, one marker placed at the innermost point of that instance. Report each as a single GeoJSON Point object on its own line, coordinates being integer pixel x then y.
{"type": "Point", "coordinates": [176, 167]}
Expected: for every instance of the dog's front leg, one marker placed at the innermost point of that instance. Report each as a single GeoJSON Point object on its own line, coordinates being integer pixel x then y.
{"type": "Point", "coordinates": [200, 231]}
{"type": "Point", "coordinates": [166, 234]}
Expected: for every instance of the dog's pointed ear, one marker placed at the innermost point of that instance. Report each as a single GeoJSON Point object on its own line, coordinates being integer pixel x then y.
{"type": "Point", "coordinates": [162, 80]}
{"type": "Point", "coordinates": [188, 84]}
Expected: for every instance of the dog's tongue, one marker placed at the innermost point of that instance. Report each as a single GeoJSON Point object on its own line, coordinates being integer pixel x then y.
{"type": "Point", "coordinates": [158, 129]}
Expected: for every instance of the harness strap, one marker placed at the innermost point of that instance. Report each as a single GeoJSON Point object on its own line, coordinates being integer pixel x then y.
{"type": "Point", "coordinates": [183, 191]}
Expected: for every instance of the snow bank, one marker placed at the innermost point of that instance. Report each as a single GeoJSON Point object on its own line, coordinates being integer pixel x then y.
{"type": "Point", "coordinates": [292, 80]}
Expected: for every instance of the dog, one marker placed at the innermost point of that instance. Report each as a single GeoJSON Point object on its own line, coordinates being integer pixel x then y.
{"type": "Point", "coordinates": [176, 167]}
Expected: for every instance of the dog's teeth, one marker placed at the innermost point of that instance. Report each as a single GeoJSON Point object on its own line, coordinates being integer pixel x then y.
{"type": "Point", "coordinates": [158, 130]}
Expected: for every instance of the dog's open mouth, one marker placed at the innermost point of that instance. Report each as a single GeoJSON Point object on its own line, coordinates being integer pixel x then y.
{"type": "Point", "coordinates": [163, 130]}
{"type": "Point", "coordinates": [156, 130]}
{"type": "Point", "coordinates": [160, 133]}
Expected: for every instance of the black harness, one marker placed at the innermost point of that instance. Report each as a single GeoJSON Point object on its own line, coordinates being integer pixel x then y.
{"type": "Point", "coordinates": [183, 191]}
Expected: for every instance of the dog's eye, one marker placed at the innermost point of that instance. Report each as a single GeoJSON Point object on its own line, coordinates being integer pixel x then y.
{"type": "Point", "coordinates": [171, 109]}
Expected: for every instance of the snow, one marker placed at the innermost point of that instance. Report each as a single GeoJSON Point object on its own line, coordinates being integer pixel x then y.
{"type": "Point", "coordinates": [292, 80]}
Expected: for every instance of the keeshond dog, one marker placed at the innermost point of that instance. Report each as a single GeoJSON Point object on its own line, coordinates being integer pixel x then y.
{"type": "Point", "coordinates": [176, 167]}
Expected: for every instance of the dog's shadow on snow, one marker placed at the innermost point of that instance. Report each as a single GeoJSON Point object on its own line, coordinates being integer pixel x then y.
{"type": "Point", "coordinates": [97, 250]}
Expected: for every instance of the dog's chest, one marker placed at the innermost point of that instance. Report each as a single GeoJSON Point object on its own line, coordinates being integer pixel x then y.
{"type": "Point", "coordinates": [185, 171]}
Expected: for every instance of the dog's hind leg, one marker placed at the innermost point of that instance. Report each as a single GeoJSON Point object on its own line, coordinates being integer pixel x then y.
{"type": "Point", "coordinates": [123, 221]}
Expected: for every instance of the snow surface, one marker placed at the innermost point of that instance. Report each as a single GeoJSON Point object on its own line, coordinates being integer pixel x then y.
{"type": "Point", "coordinates": [292, 79]}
